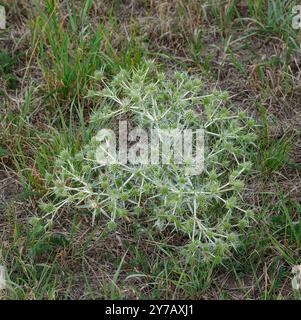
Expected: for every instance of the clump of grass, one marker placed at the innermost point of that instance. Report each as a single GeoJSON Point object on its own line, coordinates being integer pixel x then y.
{"type": "Point", "coordinates": [274, 18]}
{"type": "Point", "coordinates": [69, 50]}
{"type": "Point", "coordinates": [206, 209]}
{"type": "Point", "coordinates": [6, 69]}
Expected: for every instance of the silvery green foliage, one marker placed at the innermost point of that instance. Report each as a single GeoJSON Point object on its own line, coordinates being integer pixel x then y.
{"type": "Point", "coordinates": [206, 210]}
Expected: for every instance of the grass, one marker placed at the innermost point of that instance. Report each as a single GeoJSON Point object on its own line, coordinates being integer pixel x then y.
{"type": "Point", "coordinates": [55, 61]}
{"type": "Point", "coordinates": [7, 64]}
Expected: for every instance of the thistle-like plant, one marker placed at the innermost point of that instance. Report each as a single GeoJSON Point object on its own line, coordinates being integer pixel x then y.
{"type": "Point", "coordinates": [207, 209]}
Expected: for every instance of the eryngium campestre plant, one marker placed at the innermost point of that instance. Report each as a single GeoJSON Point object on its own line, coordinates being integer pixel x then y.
{"type": "Point", "coordinates": [206, 210]}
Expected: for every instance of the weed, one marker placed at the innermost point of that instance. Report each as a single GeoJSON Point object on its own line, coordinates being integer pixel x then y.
{"type": "Point", "coordinates": [205, 209]}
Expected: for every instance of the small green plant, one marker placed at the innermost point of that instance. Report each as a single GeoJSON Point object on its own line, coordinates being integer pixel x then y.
{"type": "Point", "coordinates": [275, 154]}
{"type": "Point", "coordinates": [196, 46]}
{"type": "Point", "coordinates": [206, 209]}
{"type": "Point", "coordinates": [6, 69]}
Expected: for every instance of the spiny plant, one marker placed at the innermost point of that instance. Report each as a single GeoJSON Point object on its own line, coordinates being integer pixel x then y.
{"type": "Point", "coordinates": [206, 210]}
